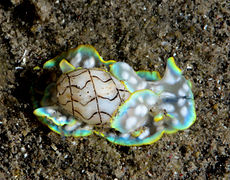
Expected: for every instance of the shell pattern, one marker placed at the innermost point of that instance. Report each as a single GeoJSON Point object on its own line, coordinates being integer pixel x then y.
{"type": "Point", "coordinates": [91, 95]}
{"type": "Point", "coordinates": [130, 108]}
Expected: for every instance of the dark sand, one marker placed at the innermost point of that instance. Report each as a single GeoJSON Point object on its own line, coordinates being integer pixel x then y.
{"type": "Point", "coordinates": [143, 34]}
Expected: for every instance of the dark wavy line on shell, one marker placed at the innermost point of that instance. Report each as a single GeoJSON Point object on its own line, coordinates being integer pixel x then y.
{"type": "Point", "coordinates": [75, 86]}
{"type": "Point", "coordinates": [110, 99]}
{"type": "Point", "coordinates": [92, 114]}
{"type": "Point", "coordinates": [58, 83]}
{"type": "Point", "coordinates": [102, 79]}
{"type": "Point", "coordinates": [70, 76]}
{"type": "Point", "coordinates": [61, 93]}
{"type": "Point", "coordinates": [124, 90]}
{"type": "Point", "coordinates": [70, 86]}
{"type": "Point", "coordinates": [90, 80]}
{"type": "Point", "coordinates": [75, 75]}
{"type": "Point", "coordinates": [64, 104]}
{"type": "Point", "coordinates": [68, 101]}
{"type": "Point", "coordinates": [70, 90]}
{"type": "Point", "coordinates": [86, 81]}
{"type": "Point", "coordinates": [94, 77]}
{"type": "Point", "coordinates": [82, 73]}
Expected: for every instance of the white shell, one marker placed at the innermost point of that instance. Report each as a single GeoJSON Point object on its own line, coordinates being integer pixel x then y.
{"type": "Point", "coordinates": [91, 95]}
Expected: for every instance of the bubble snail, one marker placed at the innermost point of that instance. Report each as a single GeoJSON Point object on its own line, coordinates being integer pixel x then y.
{"type": "Point", "coordinates": [110, 99]}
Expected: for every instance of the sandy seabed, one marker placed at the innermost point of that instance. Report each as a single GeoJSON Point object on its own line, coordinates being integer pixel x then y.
{"type": "Point", "coordinates": [141, 33]}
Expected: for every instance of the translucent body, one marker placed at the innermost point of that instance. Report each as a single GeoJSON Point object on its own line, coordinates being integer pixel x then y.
{"type": "Point", "coordinates": [134, 107]}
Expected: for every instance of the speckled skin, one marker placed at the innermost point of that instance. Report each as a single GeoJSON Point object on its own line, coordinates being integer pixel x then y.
{"type": "Point", "coordinates": [91, 95]}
